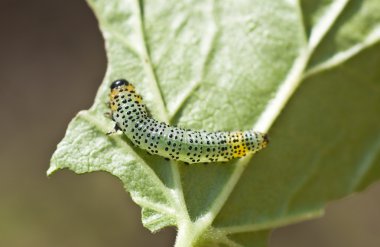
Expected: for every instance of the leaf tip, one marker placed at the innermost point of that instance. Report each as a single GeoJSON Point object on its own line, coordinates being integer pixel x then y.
{"type": "Point", "coordinates": [52, 169]}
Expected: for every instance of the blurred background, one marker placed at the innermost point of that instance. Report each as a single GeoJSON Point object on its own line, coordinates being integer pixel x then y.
{"type": "Point", "coordinates": [52, 60]}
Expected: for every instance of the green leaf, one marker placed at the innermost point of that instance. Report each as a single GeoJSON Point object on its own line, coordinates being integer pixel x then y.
{"type": "Point", "coordinates": [306, 72]}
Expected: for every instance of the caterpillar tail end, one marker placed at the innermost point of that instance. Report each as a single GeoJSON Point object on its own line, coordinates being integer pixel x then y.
{"type": "Point", "coordinates": [265, 140]}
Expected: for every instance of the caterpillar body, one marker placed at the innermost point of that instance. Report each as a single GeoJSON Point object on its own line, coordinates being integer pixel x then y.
{"type": "Point", "coordinates": [190, 146]}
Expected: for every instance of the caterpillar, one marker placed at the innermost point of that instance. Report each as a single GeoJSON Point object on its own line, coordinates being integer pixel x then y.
{"type": "Point", "coordinates": [159, 138]}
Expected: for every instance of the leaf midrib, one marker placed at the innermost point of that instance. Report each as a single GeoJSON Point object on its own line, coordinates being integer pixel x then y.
{"type": "Point", "coordinates": [177, 192]}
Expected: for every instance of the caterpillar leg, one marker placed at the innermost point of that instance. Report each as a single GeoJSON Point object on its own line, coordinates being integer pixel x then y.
{"type": "Point", "coordinates": [108, 115]}
{"type": "Point", "coordinates": [115, 129]}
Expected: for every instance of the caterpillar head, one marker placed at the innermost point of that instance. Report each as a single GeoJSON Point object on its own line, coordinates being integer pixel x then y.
{"type": "Point", "coordinates": [119, 83]}
{"type": "Point", "coordinates": [122, 92]}
{"type": "Point", "coordinates": [122, 85]}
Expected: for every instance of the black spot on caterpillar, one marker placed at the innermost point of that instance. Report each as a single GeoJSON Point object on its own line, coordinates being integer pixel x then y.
{"type": "Point", "coordinates": [190, 146]}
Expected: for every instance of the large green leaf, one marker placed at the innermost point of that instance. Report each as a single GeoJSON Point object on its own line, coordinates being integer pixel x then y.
{"type": "Point", "coordinates": [307, 72]}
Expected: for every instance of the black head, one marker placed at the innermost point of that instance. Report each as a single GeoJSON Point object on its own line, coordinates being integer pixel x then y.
{"type": "Point", "coordinates": [118, 83]}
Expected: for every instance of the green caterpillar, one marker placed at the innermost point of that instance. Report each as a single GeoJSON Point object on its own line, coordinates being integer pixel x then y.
{"type": "Point", "coordinates": [190, 146]}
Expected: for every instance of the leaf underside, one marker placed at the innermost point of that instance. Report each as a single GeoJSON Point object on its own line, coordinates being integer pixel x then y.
{"type": "Point", "coordinates": [226, 65]}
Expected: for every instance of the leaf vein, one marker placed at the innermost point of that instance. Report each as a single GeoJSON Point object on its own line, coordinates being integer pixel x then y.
{"type": "Point", "coordinates": [101, 127]}
{"type": "Point", "coordinates": [147, 63]}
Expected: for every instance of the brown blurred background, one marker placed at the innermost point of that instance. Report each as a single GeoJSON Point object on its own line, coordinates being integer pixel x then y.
{"type": "Point", "coordinates": [52, 61]}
